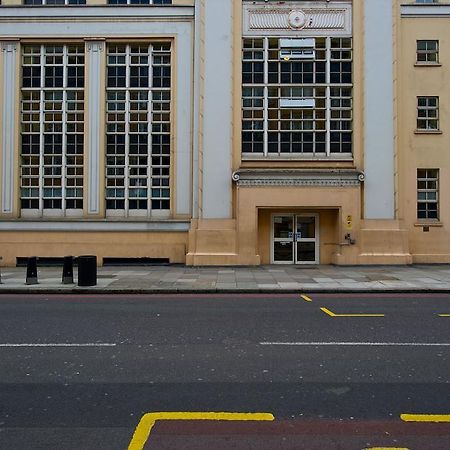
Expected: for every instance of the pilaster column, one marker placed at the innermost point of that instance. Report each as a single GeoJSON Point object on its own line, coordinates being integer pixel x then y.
{"type": "Point", "coordinates": [379, 167]}
{"type": "Point", "coordinates": [95, 128]}
{"type": "Point", "coordinates": [8, 125]}
{"type": "Point", "coordinates": [216, 109]}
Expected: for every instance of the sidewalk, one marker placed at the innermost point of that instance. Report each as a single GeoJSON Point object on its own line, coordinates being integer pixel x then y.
{"type": "Point", "coordinates": [178, 278]}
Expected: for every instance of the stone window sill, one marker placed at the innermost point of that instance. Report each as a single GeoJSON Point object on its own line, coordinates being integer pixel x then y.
{"type": "Point", "coordinates": [427, 64]}
{"type": "Point", "coordinates": [429, 223]}
{"type": "Point", "coordinates": [427, 131]}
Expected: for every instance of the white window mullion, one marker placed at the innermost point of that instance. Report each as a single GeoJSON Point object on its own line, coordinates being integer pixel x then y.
{"type": "Point", "coordinates": [266, 98]}
{"type": "Point", "coordinates": [149, 132]}
{"type": "Point", "coordinates": [64, 133]}
{"type": "Point", "coordinates": [328, 98]}
{"type": "Point", "coordinates": [127, 131]}
{"type": "Point", "coordinates": [41, 133]}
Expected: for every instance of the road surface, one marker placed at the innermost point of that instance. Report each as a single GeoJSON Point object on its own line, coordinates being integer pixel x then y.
{"type": "Point", "coordinates": [335, 371]}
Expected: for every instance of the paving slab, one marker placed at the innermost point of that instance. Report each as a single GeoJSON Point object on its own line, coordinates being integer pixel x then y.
{"type": "Point", "coordinates": [270, 278]}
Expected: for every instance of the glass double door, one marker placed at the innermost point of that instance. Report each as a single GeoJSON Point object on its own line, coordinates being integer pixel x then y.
{"type": "Point", "coordinates": [295, 239]}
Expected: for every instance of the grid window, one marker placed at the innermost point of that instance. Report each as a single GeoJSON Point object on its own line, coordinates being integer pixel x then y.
{"type": "Point", "coordinates": [253, 120]}
{"type": "Point", "coordinates": [52, 130]}
{"type": "Point", "coordinates": [297, 97]}
{"type": "Point", "coordinates": [253, 61]}
{"type": "Point", "coordinates": [428, 194]}
{"type": "Point", "coordinates": [427, 113]}
{"type": "Point", "coordinates": [139, 2]}
{"type": "Point", "coordinates": [138, 130]}
{"type": "Point", "coordinates": [428, 51]}
{"type": "Point", "coordinates": [296, 129]}
{"type": "Point", "coordinates": [54, 2]}
{"type": "Point", "coordinates": [285, 68]}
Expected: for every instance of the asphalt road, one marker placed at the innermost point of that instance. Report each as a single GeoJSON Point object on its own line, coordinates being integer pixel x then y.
{"type": "Point", "coordinates": [80, 372]}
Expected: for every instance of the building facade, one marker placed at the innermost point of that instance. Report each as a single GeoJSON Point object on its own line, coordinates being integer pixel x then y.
{"type": "Point", "coordinates": [218, 132]}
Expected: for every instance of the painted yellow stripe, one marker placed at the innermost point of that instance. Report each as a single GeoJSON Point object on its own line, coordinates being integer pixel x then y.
{"type": "Point", "coordinates": [332, 314]}
{"type": "Point", "coordinates": [386, 448]}
{"type": "Point", "coordinates": [306, 298]}
{"type": "Point", "coordinates": [425, 417]}
{"type": "Point", "coordinates": [327, 311]}
{"type": "Point", "coordinates": [444, 315]}
{"type": "Point", "coordinates": [148, 421]}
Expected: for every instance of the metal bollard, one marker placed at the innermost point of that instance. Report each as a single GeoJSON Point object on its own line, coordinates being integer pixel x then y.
{"type": "Point", "coordinates": [87, 270]}
{"type": "Point", "coordinates": [32, 275]}
{"type": "Point", "coordinates": [67, 275]}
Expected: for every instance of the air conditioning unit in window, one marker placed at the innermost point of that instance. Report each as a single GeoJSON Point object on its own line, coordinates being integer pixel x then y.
{"type": "Point", "coordinates": [297, 49]}
{"type": "Point", "coordinates": [305, 103]}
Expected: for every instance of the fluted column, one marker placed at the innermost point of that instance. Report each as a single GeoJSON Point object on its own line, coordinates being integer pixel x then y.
{"type": "Point", "coordinates": [94, 120]}
{"type": "Point", "coordinates": [8, 125]}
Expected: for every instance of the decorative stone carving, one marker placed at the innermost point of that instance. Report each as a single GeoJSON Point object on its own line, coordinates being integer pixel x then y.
{"type": "Point", "coordinates": [332, 17]}
{"type": "Point", "coordinates": [9, 46]}
{"type": "Point", "coordinates": [297, 19]}
{"type": "Point", "coordinates": [298, 177]}
{"type": "Point", "coordinates": [95, 46]}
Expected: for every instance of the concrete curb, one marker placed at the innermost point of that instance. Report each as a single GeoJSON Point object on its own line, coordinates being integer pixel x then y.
{"type": "Point", "coordinates": [92, 290]}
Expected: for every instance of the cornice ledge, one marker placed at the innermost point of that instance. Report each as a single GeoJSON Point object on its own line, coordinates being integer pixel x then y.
{"type": "Point", "coordinates": [298, 177]}
{"type": "Point", "coordinates": [425, 10]}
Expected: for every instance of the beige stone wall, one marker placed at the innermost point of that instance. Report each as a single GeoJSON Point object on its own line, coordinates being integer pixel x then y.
{"type": "Point", "coordinates": [333, 205]}
{"type": "Point", "coordinates": [103, 244]}
{"type": "Point", "coordinates": [425, 150]}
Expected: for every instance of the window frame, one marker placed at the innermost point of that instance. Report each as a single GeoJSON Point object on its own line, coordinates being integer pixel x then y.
{"type": "Point", "coordinates": [426, 52]}
{"type": "Point", "coordinates": [53, 110]}
{"type": "Point", "coordinates": [424, 116]}
{"type": "Point", "coordinates": [54, 2]}
{"type": "Point", "coordinates": [130, 122]}
{"type": "Point", "coordinates": [424, 179]}
{"type": "Point", "coordinates": [139, 2]}
{"type": "Point", "coordinates": [326, 112]}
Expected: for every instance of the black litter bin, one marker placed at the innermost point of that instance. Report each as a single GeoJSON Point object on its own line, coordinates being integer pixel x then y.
{"type": "Point", "coordinates": [87, 270]}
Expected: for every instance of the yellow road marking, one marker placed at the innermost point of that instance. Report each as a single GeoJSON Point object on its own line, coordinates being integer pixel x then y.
{"type": "Point", "coordinates": [444, 315]}
{"type": "Point", "coordinates": [327, 311]}
{"type": "Point", "coordinates": [332, 314]}
{"type": "Point", "coordinates": [425, 417]}
{"type": "Point", "coordinates": [306, 298]}
{"type": "Point", "coordinates": [147, 422]}
{"type": "Point", "coordinates": [386, 448]}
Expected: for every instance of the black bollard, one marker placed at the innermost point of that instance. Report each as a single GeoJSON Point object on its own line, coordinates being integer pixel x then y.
{"type": "Point", "coordinates": [32, 275]}
{"type": "Point", "coordinates": [87, 270]}
{"type": "Point", "coordinates": [67, 275]}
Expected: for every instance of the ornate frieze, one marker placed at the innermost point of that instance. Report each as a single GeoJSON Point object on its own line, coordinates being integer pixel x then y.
{"type": "Point", "coordinates": [298, 177]}
{"type": "Point", "coordinates": [298, 18]}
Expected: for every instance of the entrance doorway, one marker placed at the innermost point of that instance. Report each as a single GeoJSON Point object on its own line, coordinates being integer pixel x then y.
{"type": "Point", "coordinates": [295, 239]}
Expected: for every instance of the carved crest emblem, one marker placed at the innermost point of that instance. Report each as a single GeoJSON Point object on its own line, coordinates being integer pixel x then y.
{"type": "Point", "coordinates": [297, 19]}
